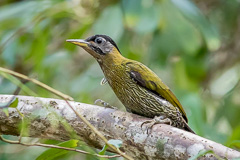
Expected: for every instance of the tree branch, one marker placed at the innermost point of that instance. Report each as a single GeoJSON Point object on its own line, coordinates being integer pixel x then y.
{"type": "Point", "coordinates": [164, 141]}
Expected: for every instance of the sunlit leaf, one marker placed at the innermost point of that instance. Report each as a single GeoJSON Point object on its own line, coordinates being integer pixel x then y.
{"type": "Point", "coordinates": [191, 12]}
{"type": "Point", "coordinates": [110, 23]}
{"type": "Point", "coordinates": [235, 136]}
{"type": "Point", "coordinates": [12, 104]}
{"type": "Point", "coordinates": [115, 142]}
{"type": "Point", "coordinates": [235, 144]}
{"type": "Point", "coordinates": [102, 152]}
{"type": "Point", "coordinates": [200, 154]}
{"type": "Point", "coordinates": [54, 153]}
{"type": "Point", "coordinates": [5, 110]}
{"type": "Point", "coordinates": [137, 16]}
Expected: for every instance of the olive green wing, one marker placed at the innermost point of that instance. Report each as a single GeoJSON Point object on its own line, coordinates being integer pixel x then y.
{"type": "Point", "coordinates": [149, 80]}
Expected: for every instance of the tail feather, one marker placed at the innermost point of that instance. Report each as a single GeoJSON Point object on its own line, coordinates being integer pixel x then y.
{"type": "Point", "coordinates": [187, 128]}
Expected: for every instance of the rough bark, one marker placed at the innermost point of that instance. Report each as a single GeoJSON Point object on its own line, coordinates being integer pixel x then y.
{"type": "Point", "coordinates": [164, 142]}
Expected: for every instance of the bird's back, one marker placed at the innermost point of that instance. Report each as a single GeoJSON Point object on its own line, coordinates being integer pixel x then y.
{"type": "Point", "coordinates": [141, 91]}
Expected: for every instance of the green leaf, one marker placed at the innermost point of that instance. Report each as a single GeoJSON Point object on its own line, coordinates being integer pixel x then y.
{"type": "Point", "coordinates": [234, 138]}
{"type": "Point", "coordinates": [13, 103]}
{"type": "Point", "coordinates": [117, 143]}
{"type": "Point", "coordinates": [191, 12]}
{"type": "Point", "coordinates": [102, 152]}
{"type": "Point", "coordinates": [142, 16]}
{"type": "Point", "coordinates": [146, 24]}
{"type": "Point", "coordinates": [23, 127]}
{"type": "Point", "coordinates": [54, 153]}
{"type": "Point", "coordinates": [5, 110]}
{"type": "Point", "coordinates": [184, 38]}
{"type": "Point", "coordinates": [3, 105]}
{"type": "Point", "coordinates": [202, 153]}
{"type": "Point", "coordinates": [235, 143]}
{"type": "Point", "coordinates": [110, 23]}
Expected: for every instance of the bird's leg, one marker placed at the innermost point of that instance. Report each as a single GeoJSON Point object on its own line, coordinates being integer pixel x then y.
{"type": "Point", "coordinates": [104, 104]}
{"type": "Point", "coordinates": [157, 120]}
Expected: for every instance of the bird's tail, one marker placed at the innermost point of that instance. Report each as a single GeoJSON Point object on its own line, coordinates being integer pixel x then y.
{"type": "Point", "coordinates": [187, 128]}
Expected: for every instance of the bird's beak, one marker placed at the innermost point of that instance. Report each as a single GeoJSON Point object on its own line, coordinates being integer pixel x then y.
{"type": "Point", "coordinates": [79, 42]}
{"type": "Point", "coordinates": [85, 45]}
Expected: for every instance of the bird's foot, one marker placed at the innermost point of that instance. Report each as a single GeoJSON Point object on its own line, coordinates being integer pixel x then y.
{"type": "Point", "coordinates": [104, 104]}
{"type": "Point", "coordinates": [156, 120]}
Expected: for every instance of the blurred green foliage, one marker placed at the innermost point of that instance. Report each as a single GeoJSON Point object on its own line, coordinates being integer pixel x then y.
{"type": "Point", "coordinates": [192, 45]}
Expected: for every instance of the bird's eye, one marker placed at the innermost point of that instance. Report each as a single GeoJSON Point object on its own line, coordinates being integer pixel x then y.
{"type": "Point", "coordinates": [98, 40]}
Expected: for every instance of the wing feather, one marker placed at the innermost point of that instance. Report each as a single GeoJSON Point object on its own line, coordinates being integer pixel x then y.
{"type": "Point", "coordinates": [149, 80]}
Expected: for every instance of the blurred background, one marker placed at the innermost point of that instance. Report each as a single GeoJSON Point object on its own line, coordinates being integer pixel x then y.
{"type": "Point", "coordinates": [193, 45]}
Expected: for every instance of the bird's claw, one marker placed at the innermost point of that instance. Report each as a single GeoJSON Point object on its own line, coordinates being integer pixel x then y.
{"type": "Point", "coordinates": [104, 104]}
{"type": "Point", "coordinates": [150, 125]}
{"type": "Point", "coordinates": [156, 120]}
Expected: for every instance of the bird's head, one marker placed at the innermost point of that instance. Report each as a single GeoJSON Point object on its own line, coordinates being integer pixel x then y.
{"type": "Point", "coordinates": [99, 46]}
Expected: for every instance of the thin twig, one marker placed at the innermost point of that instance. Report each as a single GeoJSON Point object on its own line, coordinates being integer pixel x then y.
{"type": "Point", "coordinates": [98, 133]}
{"type": "Point", "coordinates": [57, 147]}
{"type": "Point", "coordinates": [56, 92]}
